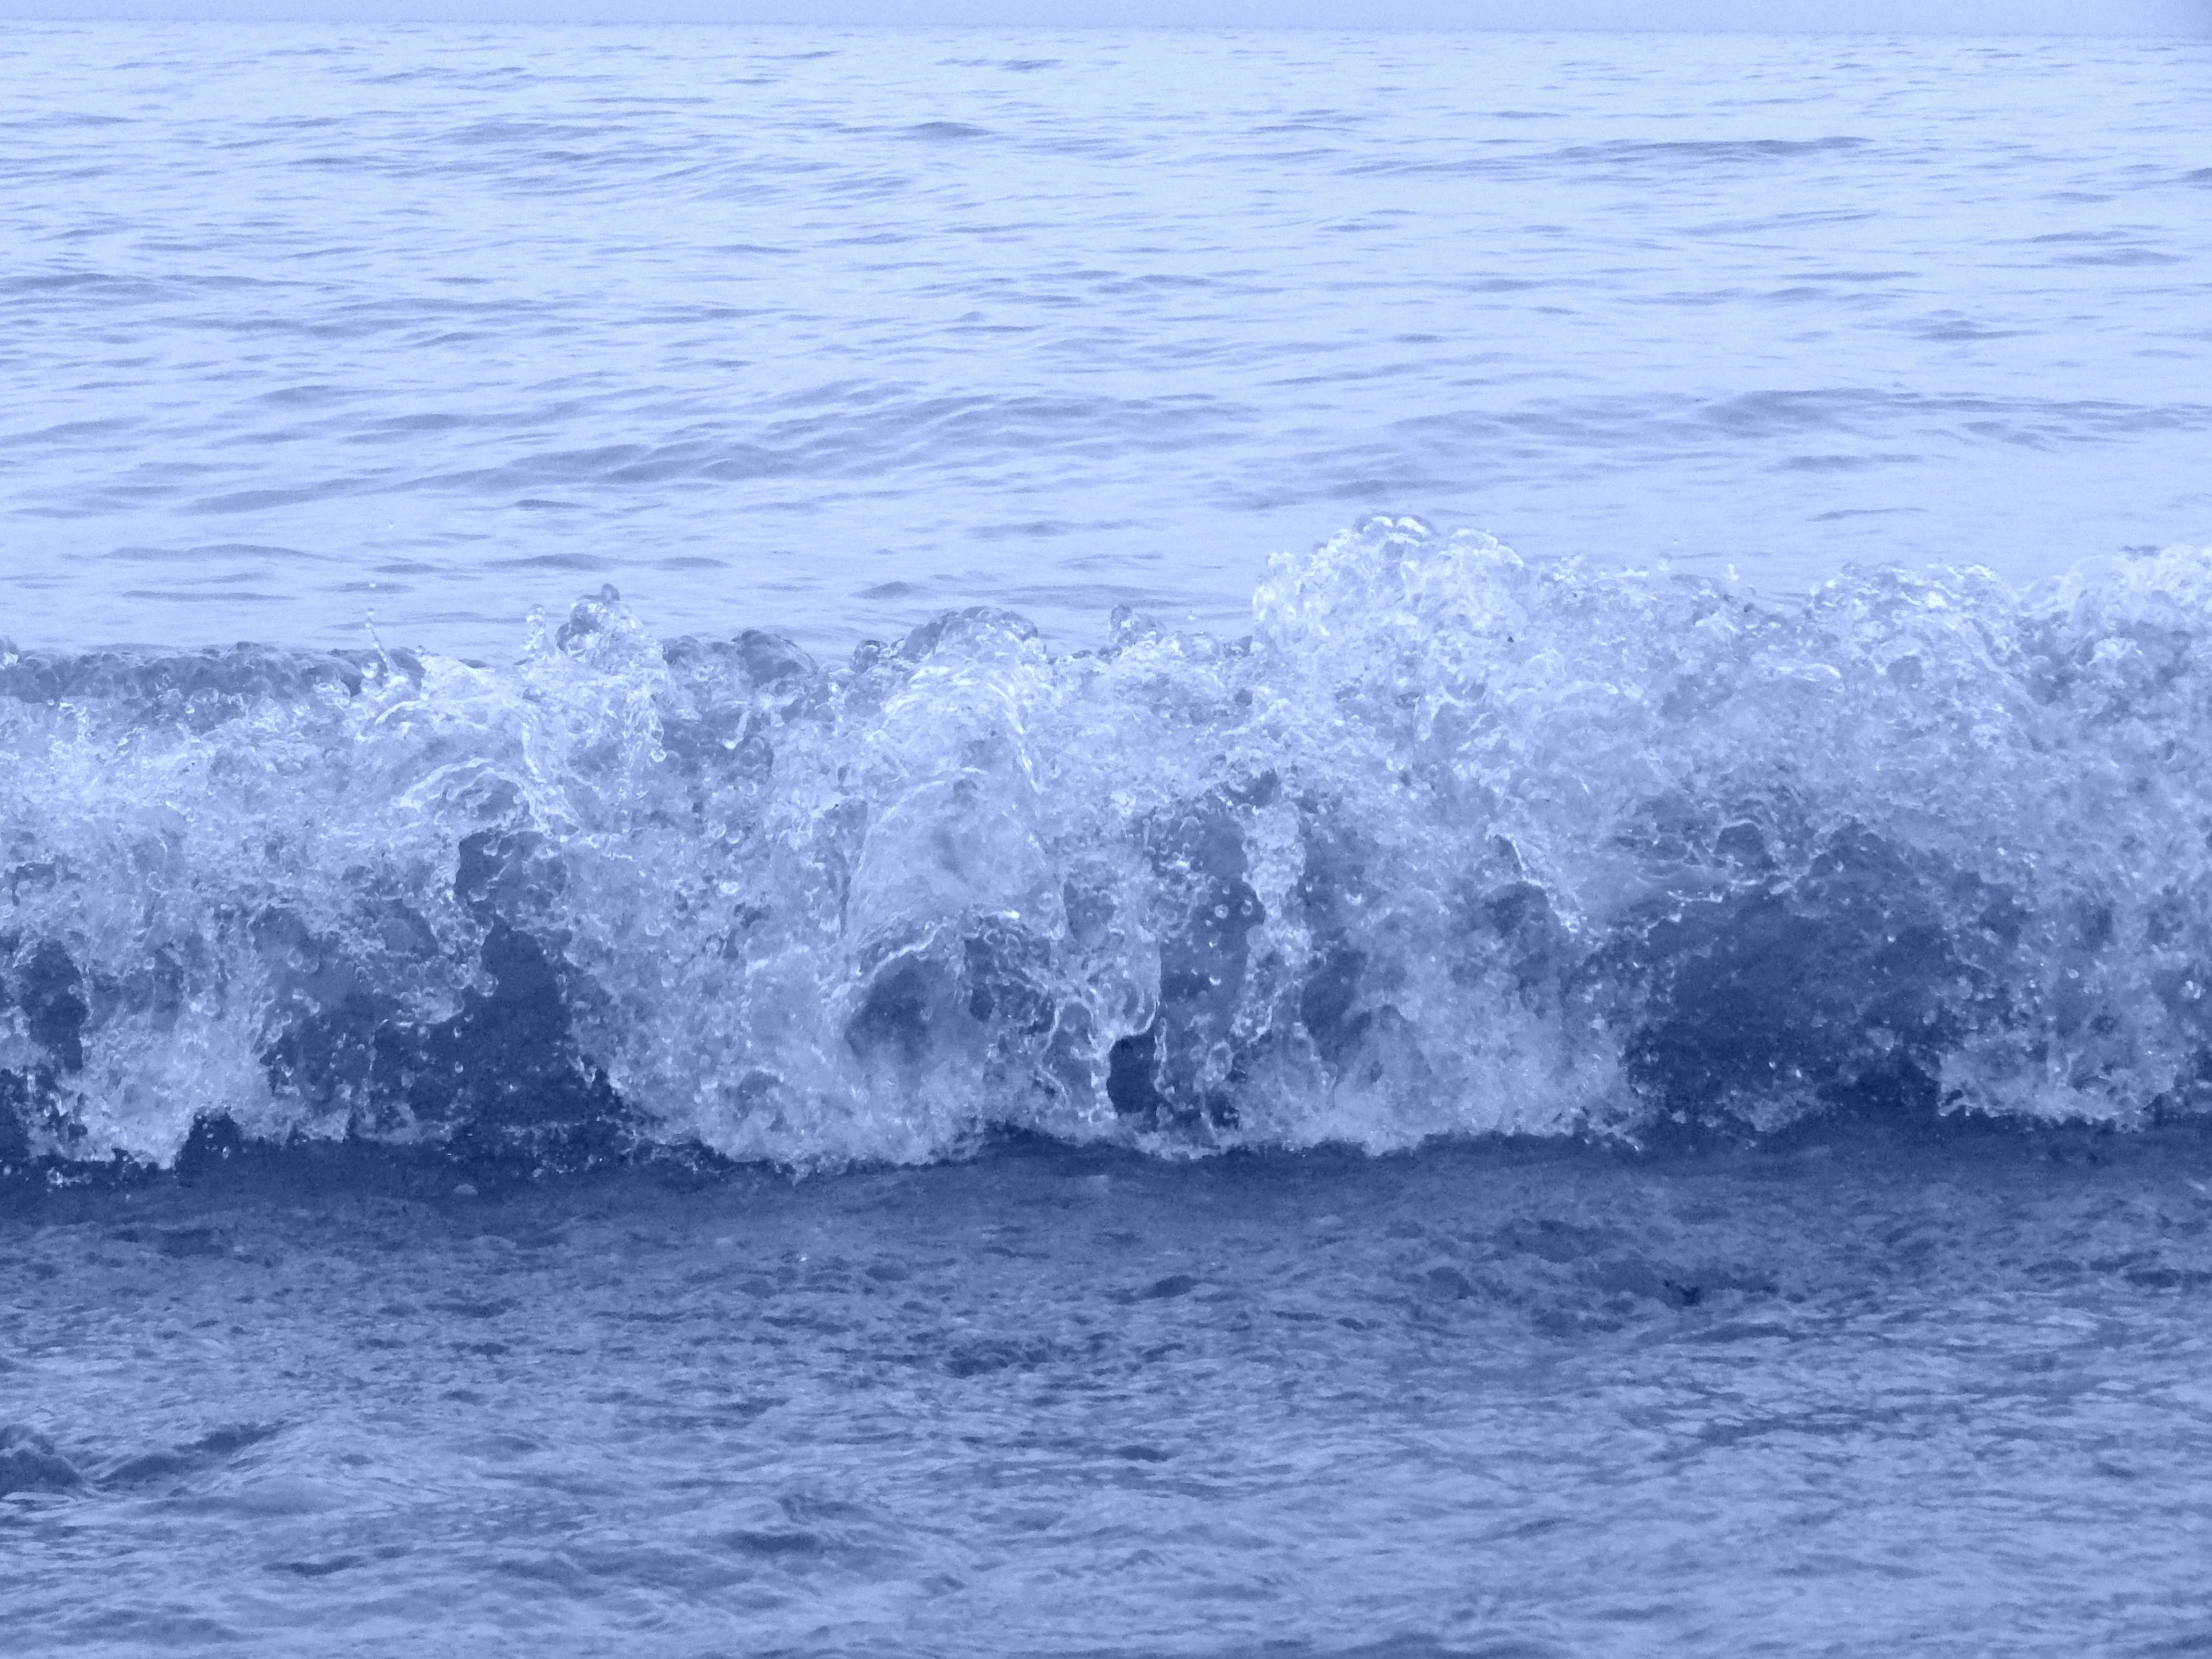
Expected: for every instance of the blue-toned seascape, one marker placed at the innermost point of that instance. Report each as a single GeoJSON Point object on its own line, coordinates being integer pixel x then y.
{"type": "Point", "coordinates": [1104, 843]}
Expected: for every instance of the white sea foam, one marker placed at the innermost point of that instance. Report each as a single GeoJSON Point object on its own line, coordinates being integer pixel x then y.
{"type": "Point", "coordinates": [1451, 843]}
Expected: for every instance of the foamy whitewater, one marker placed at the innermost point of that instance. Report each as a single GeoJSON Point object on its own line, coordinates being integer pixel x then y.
{"type": "Point", "coordinates": [1451, 844]}
{"type": "Point", "coordinates": [1112, 845]}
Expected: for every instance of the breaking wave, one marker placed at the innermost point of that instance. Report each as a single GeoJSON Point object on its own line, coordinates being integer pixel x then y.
{"type": "Point", "coordinates": [1453, 844]}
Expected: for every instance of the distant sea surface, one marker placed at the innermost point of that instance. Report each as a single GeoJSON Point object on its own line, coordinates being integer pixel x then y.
{"type": "Point", "coordinates": [1114, 847]}
{"type": "Point", "coordinates": [828, 332]}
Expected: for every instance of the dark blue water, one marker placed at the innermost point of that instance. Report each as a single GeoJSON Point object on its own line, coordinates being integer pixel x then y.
{"type": "Point", "coordinates": [1855, 1395]}
{"type": "Point", "coordinates": [1083, 1021]}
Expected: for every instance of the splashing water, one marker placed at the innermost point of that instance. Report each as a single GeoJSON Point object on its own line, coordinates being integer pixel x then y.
{"type": "Point", "coordinates": [1455, 844]}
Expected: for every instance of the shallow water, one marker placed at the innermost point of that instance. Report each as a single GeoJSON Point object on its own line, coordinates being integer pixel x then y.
{"type": "Point", "coordinates": [1850, 1396]}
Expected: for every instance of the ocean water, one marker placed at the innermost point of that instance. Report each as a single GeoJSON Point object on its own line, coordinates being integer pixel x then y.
{"type": "Point", "coordinates": [1104, 843]}
{"type": "Point", "coordinates": [828, 332]}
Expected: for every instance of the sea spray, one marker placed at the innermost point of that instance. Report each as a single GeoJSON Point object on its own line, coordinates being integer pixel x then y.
{"type": "Point", "coordinates": [1453, 844]}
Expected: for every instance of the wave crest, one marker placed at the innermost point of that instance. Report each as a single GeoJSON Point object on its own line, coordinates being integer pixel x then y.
{"type": "Point", "coordinates": [1453, 844]}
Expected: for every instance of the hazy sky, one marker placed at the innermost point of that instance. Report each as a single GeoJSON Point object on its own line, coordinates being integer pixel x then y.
{"type": "Point", "coordinates": [1943, 16]}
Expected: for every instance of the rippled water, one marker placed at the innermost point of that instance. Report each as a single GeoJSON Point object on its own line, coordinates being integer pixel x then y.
{"type": "Point", "coordinates": [1063, 1030]}
{"type": "Point", "coordinates": [828, 332]}
{"type": "Point", "coordinates": [1857, 1398]}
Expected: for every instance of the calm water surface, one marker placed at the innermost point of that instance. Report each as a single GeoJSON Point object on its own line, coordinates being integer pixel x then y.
{"type": "Point", "coordinates": [830, 331]}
